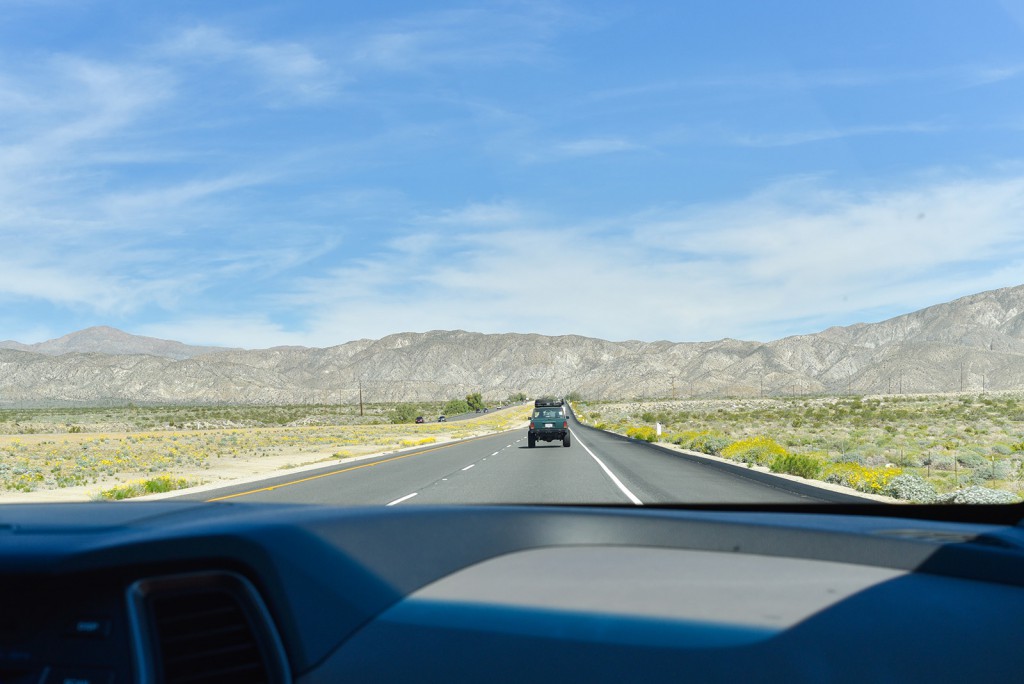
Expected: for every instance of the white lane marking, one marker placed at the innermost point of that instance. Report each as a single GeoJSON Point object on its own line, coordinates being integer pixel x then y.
{"type": "Point", "coordinates": [469, 466]}
{"type": "Point", "coordinates": [629, 494]}
{"type": "Point", "coordinates": [495, 453]}
{"type": "Point", "coordinates": [404, 498]}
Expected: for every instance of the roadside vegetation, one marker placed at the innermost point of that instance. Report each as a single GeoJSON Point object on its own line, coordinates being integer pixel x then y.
{"type": "Point", "coordinates": [157, 485]}
{"type": "Point", "coordinates": [113, 451]}
{"type": "Point", "coordinates": [923, 448]}
{"type": "Point", "coordinates": [133, 418]}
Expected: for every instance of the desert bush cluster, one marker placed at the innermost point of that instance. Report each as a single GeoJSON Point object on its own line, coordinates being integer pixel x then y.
{"type": "Point", "coordinates": [917, 448]}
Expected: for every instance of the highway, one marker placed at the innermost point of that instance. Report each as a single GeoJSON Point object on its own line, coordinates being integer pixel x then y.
{"type": "Point", "coordinates": [599, 468]}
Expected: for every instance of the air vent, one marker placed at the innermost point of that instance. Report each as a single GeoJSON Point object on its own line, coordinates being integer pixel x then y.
{"type": "Point", "coordinates": [205, 628]}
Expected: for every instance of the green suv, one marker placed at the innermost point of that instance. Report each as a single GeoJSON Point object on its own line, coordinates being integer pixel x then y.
{"type": "Point", "coordinates": [548, 422]}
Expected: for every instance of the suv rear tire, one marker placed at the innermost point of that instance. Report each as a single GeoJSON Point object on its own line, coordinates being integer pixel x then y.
{"type": "Point", "coordinates": [531, 441]}
{"type": "Point", "coordinates": [565, 441]}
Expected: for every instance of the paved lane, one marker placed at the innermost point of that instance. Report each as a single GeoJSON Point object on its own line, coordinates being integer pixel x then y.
{"type": "Point", "coordinates": [548, 473]}
{"type": "Point", "coordinates": [598, 468]}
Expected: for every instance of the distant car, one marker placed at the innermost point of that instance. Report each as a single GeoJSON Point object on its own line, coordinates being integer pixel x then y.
{"type": "Point", "coordinates": [419, 419]}
{"type": "Point", "coordinates": [478, 410]}
{"type": "Point", "coordinates": [485, 410]}
{"type": "Point", "coordinates": [441, 419]}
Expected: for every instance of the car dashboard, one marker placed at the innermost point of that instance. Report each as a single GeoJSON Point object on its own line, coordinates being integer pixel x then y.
{"type": "Point", "coordinates": [184, 592]}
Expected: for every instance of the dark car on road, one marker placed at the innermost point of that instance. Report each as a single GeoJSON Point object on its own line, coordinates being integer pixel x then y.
{"type": "Point", "coordinates": [419, 419]}
{"type": "Point", "coordinates": [441, 419]}
{"type": "Point", "coordinates": [548, 423]}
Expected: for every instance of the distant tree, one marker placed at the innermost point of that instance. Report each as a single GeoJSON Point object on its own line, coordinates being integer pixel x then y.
{"type": "Point", "coordinates": [573, 396]}
{"type": "Point", "coordinates": [516, 398]}
{"type": "Point", "coordinates": [404, 413]}
{"type": "Point", "coordinates": [475, 401]}
{"type": "Point", "coordinates": [455, 407]}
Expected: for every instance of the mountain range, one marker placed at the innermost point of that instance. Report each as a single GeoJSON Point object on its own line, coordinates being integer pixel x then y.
{"type": "Point", "coordinates": [972, 344]}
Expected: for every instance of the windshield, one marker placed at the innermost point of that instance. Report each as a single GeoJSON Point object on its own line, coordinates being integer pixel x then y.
{"type": "Point", "coordinates": [517, 252]}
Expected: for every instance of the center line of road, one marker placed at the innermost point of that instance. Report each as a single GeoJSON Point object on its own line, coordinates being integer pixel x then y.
{"type": "Point", "coordinates": [495, 453]}
{"type": "Point", "coordinates": [632, 497]}
{"type": "Point", "coordinates": [404, 498]}
{"type": "Point", "coordinates": [469, 466]}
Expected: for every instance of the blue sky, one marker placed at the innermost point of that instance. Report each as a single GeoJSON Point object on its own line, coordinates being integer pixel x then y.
{"type": "Point", "coordinates": [255, 174]}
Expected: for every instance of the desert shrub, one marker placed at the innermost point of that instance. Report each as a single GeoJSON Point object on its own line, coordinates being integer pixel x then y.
{"type": "Point", "coordinates": [157, 485]}
{"type": "Point", "coordinates": [978, 495]}
{"type": "Point", "coordinates": [683, 439]}
{"type": "Point", "coordinates": [644, 432]}
{"type": "Point", "coordinates": [804, 465]}
{"type": "Point", "coordinates": [711, 443]}
{"type": "Point", "coordinates": [850, 457]}
{"type": "Point", "coordinates": [939, 462]}
{"type": "Point", "coordinates": [1003, 470]}
{"type": "Point", "coordinates": [910, 460]}
{"type": "Point", "coordinates": [970, 459]}
{"type": "Point", "coordinates": [861, 478]}
{"type": "Point", "coordinates": [704, 442]}
{"type": "Point", "coordinates": [1001, 449]}
{"type": "Point", "coordinates": [910, 488]}
{"type": "Point", "coordinates": [759, 450]}
{"type": "Point", "coordinates": [418, 442]}
{"type": "Point", "coordinates": [1000, 470]}
{"type": "Point", "coordinates": [977, 477]}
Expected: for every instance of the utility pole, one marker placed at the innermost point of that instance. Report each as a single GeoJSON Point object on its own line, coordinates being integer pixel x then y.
{"type": "Point", "coordinates": [360, 397]}
{"type": "Point", "coordinates": [961, 377]}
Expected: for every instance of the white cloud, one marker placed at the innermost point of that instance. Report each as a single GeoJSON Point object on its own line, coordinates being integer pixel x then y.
{"type": "Point", "coordinates": [589, 147]}
{"type": "Point", "coordinates": [98, 283]}
{"type": "Point", "coordinates": [482, 215]}
{"type": "Point", "coordinates": [524, 147]}
{"type": "Point", "coordinates": [963, 75]}
{"type": "Point", "coordinates": [140, 207]}
{"type": "Point", "coordinates": [466, 38]}
{"type": "Point", "coordinates": [792, 259]}
{"type": "Point", "coordinates": [59, 109]}
{"type": "Point", "coordinates": [819, 135]}
{"type": "Point", "coordinates": [247, 332]}
{"type": "Point", "coordinates": [283, 67]}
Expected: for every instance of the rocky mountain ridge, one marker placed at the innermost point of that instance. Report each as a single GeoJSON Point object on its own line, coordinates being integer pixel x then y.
{"type": "Point", "coordinates": [974, 343]}
{"type": "Point", "coordinates": [103, 339]}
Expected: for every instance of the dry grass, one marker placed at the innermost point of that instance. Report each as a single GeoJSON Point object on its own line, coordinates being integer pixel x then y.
{"type": "Point", "coordinates": [83, 464]}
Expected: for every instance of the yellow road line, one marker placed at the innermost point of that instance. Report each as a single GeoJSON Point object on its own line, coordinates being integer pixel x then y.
{"type": "Point", "coordinates": [346, 470]}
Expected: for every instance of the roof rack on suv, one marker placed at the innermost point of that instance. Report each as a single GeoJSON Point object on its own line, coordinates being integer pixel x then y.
{"type": "Point", "coordinates": [548, 402]}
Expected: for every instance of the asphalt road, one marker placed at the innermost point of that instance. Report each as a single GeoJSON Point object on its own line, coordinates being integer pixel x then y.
{"type": "Point", "coordinates": [599, 468]}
